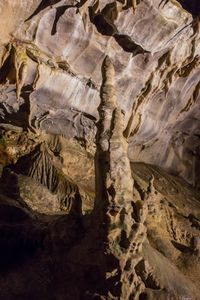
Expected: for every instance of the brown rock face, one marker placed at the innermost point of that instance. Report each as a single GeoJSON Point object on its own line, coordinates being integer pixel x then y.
{"type": "Point", "coordinates": [99, 150]}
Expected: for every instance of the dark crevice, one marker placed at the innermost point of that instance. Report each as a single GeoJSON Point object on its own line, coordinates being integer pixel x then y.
{"type": "Point", "coordinates": [139, 189]}
{"type": "Point", "coordinates": [143, 296]}
{"type": "Point", "coordinates": [192, 6]}
{"type": "Point", "coordinates": [163, 2]}
{"type": "Point", "coordinates": [128, 45]}
{"type": "Point", "coordinates": [181, 247]}
{"type": "Point", "coordinates": [43, 4]}
{"type": "Point", "coordinates": [15, 247]}
{"type": "Point", "coordinates": [147, 278]}
{"type": "Point", "coordinates": [110, 11]}
{"type": "Point", "coordinates": [5, 69]}
{"type": "Point", "coordinates": [106, 27]}
{"type": "Point", "coordinates": [59, 13]}
{"type": "Point", "coordinates": [124, 242]}
{"type": "Point", "coordinates": [194, 221]}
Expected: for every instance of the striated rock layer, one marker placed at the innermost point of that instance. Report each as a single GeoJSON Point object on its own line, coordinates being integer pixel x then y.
{"type": "Point", "coordinates": [99, 150]}
{"type": "Point", "coordinates": [52, 63]}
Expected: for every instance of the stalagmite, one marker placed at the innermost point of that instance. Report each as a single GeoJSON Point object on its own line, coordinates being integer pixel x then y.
{"type": "Point", "coordinates": [123, 217]}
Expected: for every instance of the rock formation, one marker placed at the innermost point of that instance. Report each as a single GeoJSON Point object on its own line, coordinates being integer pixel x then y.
{"type": "Point", "coordinates": [99, 150]}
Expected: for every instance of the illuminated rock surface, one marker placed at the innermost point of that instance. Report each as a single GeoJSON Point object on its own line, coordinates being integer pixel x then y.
{"type": "Point", "coordinates": [99, 149]}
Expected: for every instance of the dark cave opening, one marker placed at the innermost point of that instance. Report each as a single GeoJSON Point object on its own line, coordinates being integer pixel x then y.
{"type": "Point", "coordinates": [192, 6]}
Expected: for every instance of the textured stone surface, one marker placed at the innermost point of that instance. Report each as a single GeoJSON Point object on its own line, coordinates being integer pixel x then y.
{"type": "Point", "coordinates": [155, 50]}
{"type": "Point", "coordinates": [98, 99]}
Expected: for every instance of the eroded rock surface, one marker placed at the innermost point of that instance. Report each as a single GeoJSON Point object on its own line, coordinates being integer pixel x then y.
{"type": "Point", "coordinates": [99, 103]}
{"type": "Point", "coordinates": [154, 46]}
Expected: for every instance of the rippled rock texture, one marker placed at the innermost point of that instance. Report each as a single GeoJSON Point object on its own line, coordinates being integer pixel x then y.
{"type": "Point", "coordinates": [98, 100]}
{"type": "Point", "coordinates": [52, 62]}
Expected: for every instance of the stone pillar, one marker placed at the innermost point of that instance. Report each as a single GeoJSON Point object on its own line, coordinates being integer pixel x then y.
{"type": "Point", "coordinates": [119, 216]}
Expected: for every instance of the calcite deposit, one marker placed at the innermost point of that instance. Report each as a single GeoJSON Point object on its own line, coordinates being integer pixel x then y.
{"type": "Point", "coordinates": [99, 149]}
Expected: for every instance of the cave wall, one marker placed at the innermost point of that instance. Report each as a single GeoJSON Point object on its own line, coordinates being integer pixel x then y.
{"type": "Point", "coordinates": [154, 46]}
